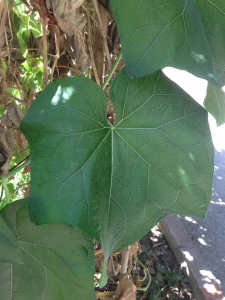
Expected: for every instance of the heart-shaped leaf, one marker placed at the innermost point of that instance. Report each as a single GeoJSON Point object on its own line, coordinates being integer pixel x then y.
{"type": "Point", "coordinates": [184, 34]}
{"type": "Point", "coordinates": [9, 249]}
{"type": "Point", "coordinates": [215, 103]}
{"type": "Point", "coordinates": [116, 182]}
{"type": "Point", "coordinates": [58, 259]}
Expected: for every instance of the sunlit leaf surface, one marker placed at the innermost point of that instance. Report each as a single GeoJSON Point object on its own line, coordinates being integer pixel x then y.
{"type": "Point", "coordinates": [116, 182]}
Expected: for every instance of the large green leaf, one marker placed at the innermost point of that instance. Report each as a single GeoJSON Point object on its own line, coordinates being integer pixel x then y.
{"type": "Point", "coordinates": [178, 33]}
{"type": "Point", "coordinates": [116, 182]}
{"type": "Point", "coordinates": [215, 103]}
{"type": "Point", "coordinates": [9, 249]}
{"type": "Point", "coordinates": [58, 260]}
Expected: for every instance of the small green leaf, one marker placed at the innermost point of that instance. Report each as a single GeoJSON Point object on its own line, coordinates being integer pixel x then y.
{"type": "Point", "coordinates": [9, 249]}
{"type": "Point", "coordinates": [16, 21]}
{"type": "Point", "coordinates": [116, 182]}
{"type": "Point", "coordinates": [184, 34]}
{"type": "Point", "coordinates": [58, 259]}
{"type": "Point", "coordinates": [1, 111]}
{"type": "Point", "coordinates": [10, 186]}
{"type": "Point", "coordinates": [215, 103]}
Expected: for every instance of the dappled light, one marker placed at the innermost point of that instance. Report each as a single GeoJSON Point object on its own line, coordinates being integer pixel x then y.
{"type": "Point", "coordinates": [210, 288]}
{"type": "Point", "coordinates": [184, 268]}
{"type": "Point", "coordinates": [188, 256]}
{"type": "Point", "coordinates": [201, 240]}
{"type": "Point", "coordinates": [189, 219]}
{"type": "Point", "coordinates": [200, 58]}
{"type": "Point", "coordinates": [208, 276]}
{"type": "Point", "coordinates": [63, 94]}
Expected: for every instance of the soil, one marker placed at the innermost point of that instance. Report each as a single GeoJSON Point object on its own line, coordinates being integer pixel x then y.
{"type": "Point", "coordinates": [168, 281]}
{"type": "Point", "coordinates": [152, 252]}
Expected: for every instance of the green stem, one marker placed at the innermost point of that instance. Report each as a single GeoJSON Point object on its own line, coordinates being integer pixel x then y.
{"type": "Point", "coordinates": [18, 168]}
{"type": "Point", "coordinates": [25, 159]}
{"type": "Point", "coordinates": [11, 173]}
{"type": "Point", "coordinates": [7, 194]}
{"type": "Point", "coordinates": [156, 296]}
{"type": "Point", "coordinates": [1, 193]}
{"type": "Point", "coordinates": [149, 276]}
{"type": "Point", "coordinates": [112, 70]}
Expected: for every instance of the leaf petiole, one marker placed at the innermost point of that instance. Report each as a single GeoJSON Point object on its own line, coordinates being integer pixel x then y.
{"type": "Point", "coordinates": [11, 173]}
{"type": "Point", "coordinates": [112, 70]}
{"type": "Point", "coordinates": [7, 194]}
{"type": "Point", "coordinates": [17, 169]}
{"type": "Point", "coordinates": [149, 276]}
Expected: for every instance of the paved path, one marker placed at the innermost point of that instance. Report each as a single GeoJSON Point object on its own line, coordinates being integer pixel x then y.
{"type": "Point", "coordinates": [209, 234]}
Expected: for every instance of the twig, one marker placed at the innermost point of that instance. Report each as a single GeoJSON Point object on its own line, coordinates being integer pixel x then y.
{"type": "Point", "coordinates": [156, 245]}
{"type": "Point", "coordinates": [56, 57]}
{"type": "Point", "coordinates": [91, 49]}
{"type": "Point", "coordinates": [9, 19]}
{"type": "Point", "coordinates": [105, 295]}
{"type": "Point", "coordinates": [103, 34]}
{"type": "Point", "coordinates": [45, 55]}
{"type": "Point", "coordinates": [94, 21]}
{"type": "Point", "coordinates": [124, 262]}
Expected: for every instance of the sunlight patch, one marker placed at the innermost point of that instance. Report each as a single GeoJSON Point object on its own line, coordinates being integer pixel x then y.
{"type": "Point", "coordinates": [188, 256]}
{"type": "Point", "coordinates": [55, 100]}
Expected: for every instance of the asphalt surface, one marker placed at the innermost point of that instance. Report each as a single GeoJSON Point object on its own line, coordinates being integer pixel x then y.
{"type": "Point", "coordinates": [209, 234]}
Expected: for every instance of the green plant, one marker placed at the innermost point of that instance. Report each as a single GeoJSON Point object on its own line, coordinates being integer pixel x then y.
{"type": "Point", "coordinates": [113, 182]}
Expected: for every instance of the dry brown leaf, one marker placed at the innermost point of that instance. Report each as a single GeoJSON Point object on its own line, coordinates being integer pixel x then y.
{"type": "Point", "coordinates": [137, 281]}
{"type": "Point", "coordinates": [27, 191]}
{"type": "Point", "coordinates": [20, 140]}
{"type": "Point", "coordinates": [149, 262]}
{"type": "Point", "coordinates": [159, 277]}
{"type": "Point", "coordinates": [11, 119]}
{"type": "Point", "coordinates": [71, 21]}
{"type": "Point", "coordinates": [8, 37]}
{"type": "Point", "coordinates": [134, 248]}
{"type": "Point", "coordinates": [82, 57]}
{"type": "Point", "coordinates": [151, 270]}
{"type": "Point", "coordinates": [35, 45]}
{"type": "Point", "coordinates": [99, 262]}
{"type": "Point", "coordinates": [44, 12]}
{"type": "Point", "coordinates": [12, 116]}
{"type": "Point", "coordinates": [126, 290]}
{"type": "Point", "coordinates": [67, 11]}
